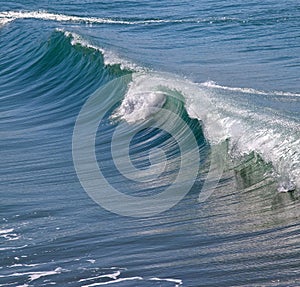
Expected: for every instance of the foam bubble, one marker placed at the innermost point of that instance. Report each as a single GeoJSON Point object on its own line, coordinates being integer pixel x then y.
{"type": "Point", "coordinates": [142, 96]}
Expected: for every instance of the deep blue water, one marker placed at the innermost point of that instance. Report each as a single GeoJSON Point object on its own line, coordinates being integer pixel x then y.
{"type": "Point", "coordinates": [149, 143]}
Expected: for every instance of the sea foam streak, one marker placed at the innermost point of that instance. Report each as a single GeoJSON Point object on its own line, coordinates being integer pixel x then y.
{"type": "Point", "coordinates": [212, 84]}
{"type": "Point", "coordinates": [114, 276]}
{"type": "Point", "coordinates": [178, 282]}
{"type": "Point", "coordinates": [44, 15]}
{"type": "Point", "coordinates": [35, 275]}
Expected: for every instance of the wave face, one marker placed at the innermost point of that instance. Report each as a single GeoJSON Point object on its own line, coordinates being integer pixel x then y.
{"type": "Point", "coordinates": [196, 183]}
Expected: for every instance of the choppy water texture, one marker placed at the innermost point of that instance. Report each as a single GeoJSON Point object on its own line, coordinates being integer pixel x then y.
{"type": "Point", "coordinates": [207, 86]}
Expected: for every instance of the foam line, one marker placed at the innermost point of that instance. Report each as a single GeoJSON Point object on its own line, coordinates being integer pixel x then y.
{"type": "Point", "coordinates": [35, 275]}
{"type": "Point", "coordinates": [176, 281]}
{"type": "Point", "coordinates": [212, 84]}
{"type": "Point", "coordinates": [5, 231]}
{"type": "Point", "coordinates": [114, 276]}
{"type": "Point", "coordinates": [44, 15]}
{"type": "Point", "coordinates": [114, 281]}
{"type": "Point", "coordinates": [12, 248]}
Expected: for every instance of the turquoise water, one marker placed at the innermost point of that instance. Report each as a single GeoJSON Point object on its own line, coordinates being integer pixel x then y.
{"type": "Point", "coordinates": [149, 143]}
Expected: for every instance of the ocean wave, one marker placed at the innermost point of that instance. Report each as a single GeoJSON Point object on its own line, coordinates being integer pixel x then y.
{"type": "Point", "coordinates": [110, 58]}
{"type": "Point", "coordinates": [220, 159]}
{"type": "Point", "coordinates": [275, 138]}
{"type": "Point", "coordinates": [222, 111]}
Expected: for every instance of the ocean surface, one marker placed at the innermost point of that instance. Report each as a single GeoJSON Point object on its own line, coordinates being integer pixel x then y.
{"type": "Point", "coordinates": [149, 143]}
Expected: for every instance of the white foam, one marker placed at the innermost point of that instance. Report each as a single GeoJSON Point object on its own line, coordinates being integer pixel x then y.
{"type": "Point", "coordinates": [44, 15]}
{"type": "Point", "coordinates": [12, 248]}
{"type": "Point", "coordinates": [114, 281]}
{"type": "Point", "coordinates": [147, 92]}
{"type": "Point", "coordinates": [141, 100]}
{"type": "Point", "coordinates": [114, 276]}
{"type": "Point", "coordinates": [4, 21]}
{"type": "Point", "coordinates": [178, 282]}
{"type": "Point", "coordinates": [286, 186]}
{"type": "Point", "coordinates": [212, 84]}
{"type": "Point", "coordinates": [34, 275]}
{"type": "Point", "coordinates": [275, 137]}
{"type": "Point", "coordinates": [5, 231]}
{"type": "Point", "coordinates": [9, 235]}
{"type": "Point", "coordinates": [23, 265]}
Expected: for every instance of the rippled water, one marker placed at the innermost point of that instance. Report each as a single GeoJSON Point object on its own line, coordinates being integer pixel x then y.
{"type": "Point", "coordinates": [189, 109]}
